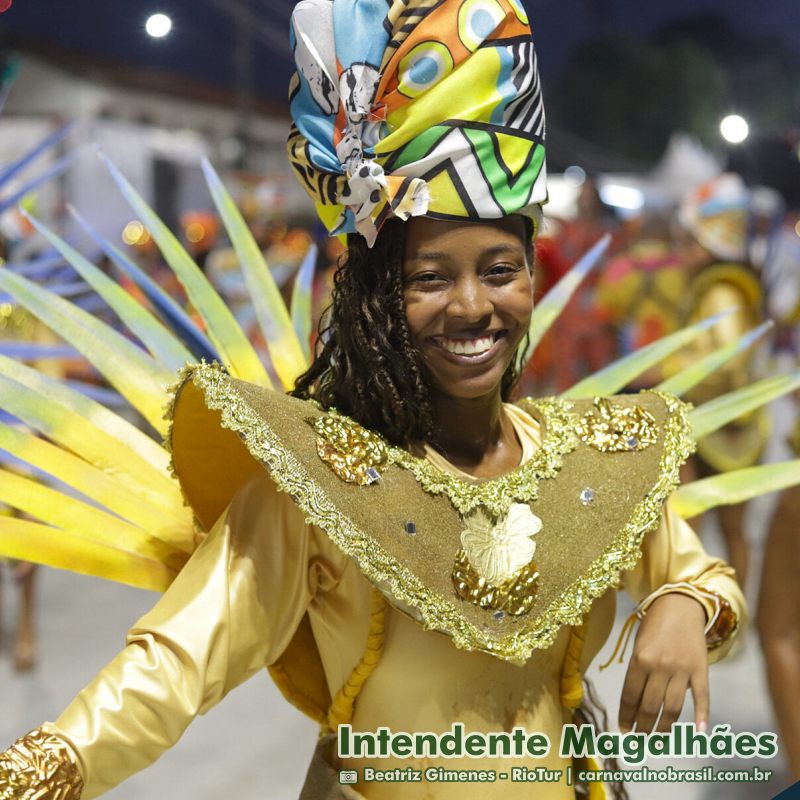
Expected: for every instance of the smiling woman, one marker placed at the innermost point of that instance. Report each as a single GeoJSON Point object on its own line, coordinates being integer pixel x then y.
{"type": "Point", "coordinates": [376, 361]}
{"type": "Point", "coordinates": [399, 543]}
{"type": "Point", "coordinates": [468, 293]}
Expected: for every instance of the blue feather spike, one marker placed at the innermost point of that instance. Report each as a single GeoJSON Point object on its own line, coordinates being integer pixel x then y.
{"type": "Point", "coordinates": [171, 313]}
{"type": "Point", "coordinates": [37, 268]}
{"type": "Point", "coordinates": [51, 140]}
{"type": "Point", "coordinates": [62, 165]}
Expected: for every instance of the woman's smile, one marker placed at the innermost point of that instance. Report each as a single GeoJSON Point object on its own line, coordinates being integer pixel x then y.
{"type": "Point", "coordinates": [471, 350]}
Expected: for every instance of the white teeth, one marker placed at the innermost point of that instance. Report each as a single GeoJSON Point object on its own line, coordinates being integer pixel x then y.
{"type": "Point", "coordinates": [468, 347]}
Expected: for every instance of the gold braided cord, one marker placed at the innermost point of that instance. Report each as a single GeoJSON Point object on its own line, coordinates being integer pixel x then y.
{"type": "Point", "coordinates": [623, 640]}
{"type": "Point", "coordinates": [571, 686]}
{"type": "Point", "coordinates": [436, 611]}
{"type": "Point", "coordinates": [40, 766]}
{"type": "Point", "coordinates": [341, 710]}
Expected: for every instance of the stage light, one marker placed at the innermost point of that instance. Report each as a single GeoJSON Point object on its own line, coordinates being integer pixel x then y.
{"type": "Point", "coordinates": [734, 129]}
{"type": "Point", "coordinates": [158, 25]}
{"type": "Point", "coordinates": [624, 197]}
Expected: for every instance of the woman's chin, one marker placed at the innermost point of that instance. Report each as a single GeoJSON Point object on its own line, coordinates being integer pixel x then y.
{"type": "Point", "coordinates": [472, 387]}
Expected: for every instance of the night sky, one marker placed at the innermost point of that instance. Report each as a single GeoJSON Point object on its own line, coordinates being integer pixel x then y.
{"type": "Point", "coordinates": [202, 42]}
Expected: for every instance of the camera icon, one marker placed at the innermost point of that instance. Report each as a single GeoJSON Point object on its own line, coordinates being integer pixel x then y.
{"type": "Point", "coordinates": [348, 776]}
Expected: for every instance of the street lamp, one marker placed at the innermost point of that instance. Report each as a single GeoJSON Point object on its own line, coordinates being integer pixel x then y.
{"type": "Point", "coordinates": [158, 25]}
{"type": "Point", "coordinates": [734, 129]}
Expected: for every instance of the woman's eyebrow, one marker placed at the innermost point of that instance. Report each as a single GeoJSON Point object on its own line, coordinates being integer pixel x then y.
{"type": "Point", "coordinates": [430, 255]}
{"type": "Point", "coordinates": [501, 249]}
{"type": "Point", "coordinates": [495, 250]}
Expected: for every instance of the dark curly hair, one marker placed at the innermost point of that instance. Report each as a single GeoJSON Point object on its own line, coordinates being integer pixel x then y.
{"type": "Point", "coordinates": [368, 366]}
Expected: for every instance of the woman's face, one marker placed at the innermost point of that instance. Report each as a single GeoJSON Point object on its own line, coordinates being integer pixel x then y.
{"type": "Point", "coordinates": [469, 297]}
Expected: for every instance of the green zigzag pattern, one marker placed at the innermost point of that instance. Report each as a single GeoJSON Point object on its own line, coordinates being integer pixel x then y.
{"type": "Point", "coordinates": [510, 194]}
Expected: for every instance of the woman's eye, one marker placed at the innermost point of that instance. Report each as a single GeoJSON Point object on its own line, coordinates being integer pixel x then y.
{"type": "Point", "coordinates": [503, 269]}
{"type": "Point", "coordinates": [425, 277]}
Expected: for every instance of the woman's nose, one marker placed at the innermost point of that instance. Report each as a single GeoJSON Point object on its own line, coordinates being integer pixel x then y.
{"type": "Point", "coordinates": [470, 301]}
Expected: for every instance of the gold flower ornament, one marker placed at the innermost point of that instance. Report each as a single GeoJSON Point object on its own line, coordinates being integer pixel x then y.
{"type": "Point", "coordinates": [495, 567]}
{"type": "Point", "coordinates": [498, 552]}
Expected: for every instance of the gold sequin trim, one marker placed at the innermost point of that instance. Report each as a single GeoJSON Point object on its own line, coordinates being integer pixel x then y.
{"type": "Point", "coordinates": [353, 452]}
{"type": "Point", "coordinates": [514, 595]}
{"type": "Point", "coordinates": [521, 485]}
{"type": "Point", "coordinates": [40, 766]}
{"type": "Point", "coordinates": [380, 568]}
{"type": "Point", "coordinates": [613, 427]}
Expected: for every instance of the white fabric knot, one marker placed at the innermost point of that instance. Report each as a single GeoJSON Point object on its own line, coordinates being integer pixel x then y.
{"type": "Point", "coordinates": [364, 186]}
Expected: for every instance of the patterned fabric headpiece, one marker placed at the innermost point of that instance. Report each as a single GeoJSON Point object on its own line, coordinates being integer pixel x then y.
{"type": "Point", "coordinates": [717, 215]}
{"type": "Point", "coordinates": [416, 107]}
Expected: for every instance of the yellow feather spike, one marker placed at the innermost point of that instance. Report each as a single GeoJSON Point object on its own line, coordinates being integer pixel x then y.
{"type": "Point", "coordinates": [730, 488]}
{"type": "Point", "coordinates": [224, 331]}
{"type": "Point", "coordinates": [161, 342]}
{"type": "Point", "coordinates": [96, 485]}
{"type": "Point", "coordinates": [285, 349]}
{"type": "Point", "coordinates": [41, 544]}
{"type": "Point", "coordinates": [76, 517]}
{"type": "Point", "coordinates": [135, 374]}
{"type": "Point", "coordinates": [98, 436]}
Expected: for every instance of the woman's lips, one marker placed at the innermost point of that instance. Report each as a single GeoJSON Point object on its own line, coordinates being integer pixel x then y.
{"type": "Point", "coordinates": [441, 344]}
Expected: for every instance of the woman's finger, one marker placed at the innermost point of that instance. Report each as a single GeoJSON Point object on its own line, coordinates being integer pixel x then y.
{"type": "Point", "coordinates": [673, 701]}
{"type": "Point", "coordinates": [699, 685]}
{"type": "Point", "coordinates": [635, 679]}
{"type": "Point", "coordinates": [652, 700]}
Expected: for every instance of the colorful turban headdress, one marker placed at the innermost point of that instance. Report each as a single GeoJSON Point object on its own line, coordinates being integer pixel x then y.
{"type": "Point", "coordinates": [717, 215]}
{"type": "Point", "coordinates": [416, 107]}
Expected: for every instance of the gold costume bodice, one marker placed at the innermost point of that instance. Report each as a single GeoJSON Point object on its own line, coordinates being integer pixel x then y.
{"type": "Point", "coordinates": [271, 587]}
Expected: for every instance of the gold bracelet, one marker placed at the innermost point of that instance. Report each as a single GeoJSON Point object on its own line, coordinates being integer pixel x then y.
{"type": "Point", "coordinates": [40, 766]}
{"type": "Point", "coordinates": [724, 625]}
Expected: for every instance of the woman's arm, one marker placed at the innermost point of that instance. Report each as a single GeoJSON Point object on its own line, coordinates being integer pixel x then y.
{"type": "Point", "coordinates": [692, 608]}
{"type": "Point", "coordinates": [232, 610]}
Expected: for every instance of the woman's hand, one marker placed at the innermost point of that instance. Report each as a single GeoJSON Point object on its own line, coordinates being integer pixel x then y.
{"type": "Point", "coordinates": [669, 656]}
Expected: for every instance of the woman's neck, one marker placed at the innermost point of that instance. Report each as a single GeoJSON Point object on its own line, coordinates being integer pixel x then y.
{"type": "Point", "coordinates": [475, 435]}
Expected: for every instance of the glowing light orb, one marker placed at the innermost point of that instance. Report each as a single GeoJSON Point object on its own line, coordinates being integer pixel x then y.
{"type": "Point", "coordinates": [575, 176]}
{"type": "Point", "coordinates": [135, 233]}
{"type": "Point", "coordinates": [195, 232]}
{"type": "Point", "coordinates": [158, 25]}
{"type": "Point", "coordinates": [734, 129]}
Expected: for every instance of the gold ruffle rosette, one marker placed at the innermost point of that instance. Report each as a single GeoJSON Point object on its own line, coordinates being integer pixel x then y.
{"type": "Point", "coordinates": [354, 453]}
{"type": "Point", "coordinates": [514, 596]}
{"type": "Point", "coordinates": [613, 428]}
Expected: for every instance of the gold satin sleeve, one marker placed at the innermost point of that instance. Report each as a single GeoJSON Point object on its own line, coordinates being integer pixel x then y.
{"type": "Point", "coordinates": [230, 612]}
{"type": "Point", "coordinates": [674, 560]}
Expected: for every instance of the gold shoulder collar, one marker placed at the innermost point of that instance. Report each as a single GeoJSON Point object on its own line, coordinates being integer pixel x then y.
{"type": "Point", "coordinates": [598, 485]}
